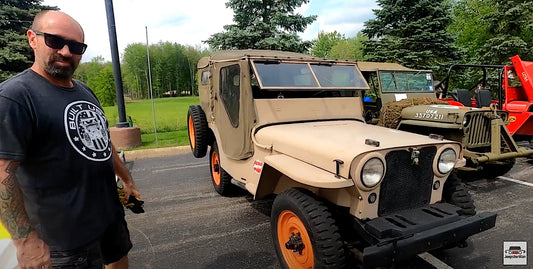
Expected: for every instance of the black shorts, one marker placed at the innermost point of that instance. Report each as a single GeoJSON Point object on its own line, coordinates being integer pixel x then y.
{"type": "Point", "coordinates": [114, 244]}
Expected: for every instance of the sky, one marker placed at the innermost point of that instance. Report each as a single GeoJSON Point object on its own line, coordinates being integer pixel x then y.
{"type": "Point", "coordinates": [190, 22]}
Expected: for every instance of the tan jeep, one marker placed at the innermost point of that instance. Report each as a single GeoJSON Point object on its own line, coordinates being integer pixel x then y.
{"type": "Point", "coordinates": [292, 125]}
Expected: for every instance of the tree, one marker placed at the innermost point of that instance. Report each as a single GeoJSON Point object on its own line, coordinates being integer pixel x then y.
{"type": "Point", "coordinates": [325, 41]}
{"type": "Point", "coordinates": [16, 17]}
{"type": "Point", "coordinates": [98, 75]}
{"type": "Point", "coordinates": [492, 31]}
{"type": "Point", "coordinates": [412, 33]}
{"type": "Point", "coordinates": [350, 48]}
{"type": "Point", "coordinates": [263, 24]}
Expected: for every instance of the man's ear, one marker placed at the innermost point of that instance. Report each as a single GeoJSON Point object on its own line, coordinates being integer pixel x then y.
{"type": "Point", "coordinates": [32, 38]}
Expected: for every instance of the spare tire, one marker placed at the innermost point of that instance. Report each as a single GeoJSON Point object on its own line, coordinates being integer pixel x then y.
{"type": "Point", "coordinates": [198, 131]}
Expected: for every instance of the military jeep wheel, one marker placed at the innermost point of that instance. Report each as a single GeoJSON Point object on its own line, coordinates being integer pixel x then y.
{"type": "Point", "coordinates": [455, 193]}
{"type": "Point", "coordinates": [220, 178]}
{"type": "Point", "coordinates": [304, 232]}
{"type": "Point", "coordinates": [198, 131]}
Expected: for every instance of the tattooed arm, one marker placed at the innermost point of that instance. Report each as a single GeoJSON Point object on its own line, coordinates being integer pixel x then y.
{"type": "Point", "coordinates": [32, 252]}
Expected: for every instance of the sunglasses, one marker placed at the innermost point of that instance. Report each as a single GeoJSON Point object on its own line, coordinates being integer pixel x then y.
{"type": "Point", "coordinates": [57, 42]}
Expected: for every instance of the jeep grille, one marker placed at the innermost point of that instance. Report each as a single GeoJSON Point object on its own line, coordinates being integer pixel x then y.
{"type": "Point", "coordinates": [406, 185]}
{"type": "Point", "coordinates": [477, 130]}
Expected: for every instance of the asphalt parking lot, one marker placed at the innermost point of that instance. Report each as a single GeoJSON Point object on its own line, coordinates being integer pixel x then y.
{"type": "Point", "coordinates": [188, 225]}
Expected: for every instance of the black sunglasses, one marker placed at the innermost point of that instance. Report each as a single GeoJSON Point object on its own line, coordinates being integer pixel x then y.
{"type": "Point", "coordinates": [57, 42]}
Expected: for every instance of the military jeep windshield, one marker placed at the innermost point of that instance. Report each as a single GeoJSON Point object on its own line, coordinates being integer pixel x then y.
{"type": "Point", "coordinates": [274, 75]}
{"type": "Point", "coordinates": [404, 81]}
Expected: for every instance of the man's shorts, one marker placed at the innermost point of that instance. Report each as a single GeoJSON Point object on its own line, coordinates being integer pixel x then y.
{"type": "Point", "coordinates": [114, 244]}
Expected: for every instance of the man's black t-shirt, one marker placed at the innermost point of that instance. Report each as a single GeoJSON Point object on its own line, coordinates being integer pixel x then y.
{"type": "Point", "coordinates": [66, 174]}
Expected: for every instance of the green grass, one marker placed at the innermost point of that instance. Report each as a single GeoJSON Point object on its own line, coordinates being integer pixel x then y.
{"type": "Point", "coordinates": [170, 118]}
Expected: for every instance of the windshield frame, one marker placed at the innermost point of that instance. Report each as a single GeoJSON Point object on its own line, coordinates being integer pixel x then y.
{"type": "Point", "coordinates": [430, 89]}
{"type": "Point", "coordinates": [316, 81]}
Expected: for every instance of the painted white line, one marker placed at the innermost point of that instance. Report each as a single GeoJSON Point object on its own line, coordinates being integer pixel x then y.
{"type": "Point", "coordinates": [179, 167]}
{"type": "Point", "coordinates": [438, 264]}
{"type": "Point", "coordinates": [516, 181]}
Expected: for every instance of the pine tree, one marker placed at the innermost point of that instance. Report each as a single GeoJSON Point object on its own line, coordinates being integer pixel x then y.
{"type": "Point", "coordinates": [16, 17]}
{"type": "Point", "coordinates": [412, 33]}
{"type": "Point", "coordinates": [264, 24]}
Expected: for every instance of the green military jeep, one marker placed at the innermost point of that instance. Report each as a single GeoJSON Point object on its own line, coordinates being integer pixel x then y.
{"type": "Point", "coordinates": [405, 99]}
{"type": "Point", "coordinates": [292, 125]}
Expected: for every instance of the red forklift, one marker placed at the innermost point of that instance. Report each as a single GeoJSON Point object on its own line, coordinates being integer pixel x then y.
{"type": "Point", "coordinates": [505, 87]}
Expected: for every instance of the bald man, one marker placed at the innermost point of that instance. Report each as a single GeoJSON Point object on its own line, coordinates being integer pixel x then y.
{"type": "Point", "coordinates": [58, 195]}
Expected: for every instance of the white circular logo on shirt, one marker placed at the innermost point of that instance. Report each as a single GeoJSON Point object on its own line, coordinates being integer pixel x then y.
{"type": "Point", "coordinates": [86, 128]}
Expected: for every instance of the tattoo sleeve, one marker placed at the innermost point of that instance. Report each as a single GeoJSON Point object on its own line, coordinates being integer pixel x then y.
{"type": "Point", "coordinates": [12, 212]}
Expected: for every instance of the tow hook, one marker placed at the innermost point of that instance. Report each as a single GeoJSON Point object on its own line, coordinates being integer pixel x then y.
{"type": "Point", "coordinates": [295, 243]}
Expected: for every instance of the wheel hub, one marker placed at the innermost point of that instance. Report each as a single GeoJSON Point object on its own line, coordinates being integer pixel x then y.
{"type": "Point", "coordinates": [295, 243]}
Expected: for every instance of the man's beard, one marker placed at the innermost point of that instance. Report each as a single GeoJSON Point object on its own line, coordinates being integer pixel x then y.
{"type": "Point", "coordinates": [61, 72]}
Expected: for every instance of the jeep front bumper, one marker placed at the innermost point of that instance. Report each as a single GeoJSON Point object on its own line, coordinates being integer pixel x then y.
{"type": "Point", "coordinates": [402, 235]}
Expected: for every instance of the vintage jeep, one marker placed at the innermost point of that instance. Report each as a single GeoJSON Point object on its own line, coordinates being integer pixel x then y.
{"type": "Point", "coordinates": [405, 99]}
{"type": "Point", "coordinates": [291, 125]}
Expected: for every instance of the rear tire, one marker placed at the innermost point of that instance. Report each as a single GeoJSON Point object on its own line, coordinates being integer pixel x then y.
{"type": "Point", "coordinates": [455, 193]}
{"type": "Point", "coordinates": [220, 178]}
{"type": "Point", "coordinates": [198, 131]}
{"type": "Point", "coordinates": [304, 232]}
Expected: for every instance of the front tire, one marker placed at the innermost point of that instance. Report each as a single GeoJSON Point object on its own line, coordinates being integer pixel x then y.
{"type": "Point", "coordinates": [455, 193]}
{"type": "Point", "coordinates": [304, 232]}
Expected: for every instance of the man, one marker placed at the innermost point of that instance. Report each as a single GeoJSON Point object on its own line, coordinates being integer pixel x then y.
{"type": "Point", "coordinates": [58, 195]}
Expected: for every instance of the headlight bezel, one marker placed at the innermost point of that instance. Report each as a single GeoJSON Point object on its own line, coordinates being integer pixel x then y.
{"type": "Point", "coordinates": [358, 167]}
{"type": "Point", "coordinates": [443, 155]}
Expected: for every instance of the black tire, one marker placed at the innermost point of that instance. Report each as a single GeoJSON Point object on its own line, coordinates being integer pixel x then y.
{"type": "Point", "coordinates": [493, 170]}
{"type": "Point", "coordinates": [455, 193]}
{"type": "Point", "coordinates": [219, 177]}
{"type": "Point", "coordinates": [198, 131]}
{"type": "Point", "coordinates": [304, 232]}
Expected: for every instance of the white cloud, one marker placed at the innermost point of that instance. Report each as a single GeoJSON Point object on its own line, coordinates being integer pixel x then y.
{"type": "Point", "coordinates": [191, 22]}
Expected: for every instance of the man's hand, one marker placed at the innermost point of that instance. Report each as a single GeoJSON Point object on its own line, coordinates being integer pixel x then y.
{"type": "Point", "coordinates": [32, 252]}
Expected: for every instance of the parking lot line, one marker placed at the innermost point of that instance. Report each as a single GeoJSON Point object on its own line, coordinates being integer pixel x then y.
{"type": "Point", "coordinates": [438, 264]}
{"type": "Point", "coordinates": [516, 181]}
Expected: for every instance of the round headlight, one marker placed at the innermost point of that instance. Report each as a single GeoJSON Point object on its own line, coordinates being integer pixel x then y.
{"type": "Point", "coordinates": [372, 172]}
{"type": "Point", "coordinates": [446, 161]}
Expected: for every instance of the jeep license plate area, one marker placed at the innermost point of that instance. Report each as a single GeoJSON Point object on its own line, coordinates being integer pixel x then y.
{"type": "Point", "coordinates": [427, 235]}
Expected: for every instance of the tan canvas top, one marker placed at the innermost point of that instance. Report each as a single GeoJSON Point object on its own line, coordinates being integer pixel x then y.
{"type": "Point", "coordinates": [375, 66]}
{"type": "Point", "coordinates": [226, 55]}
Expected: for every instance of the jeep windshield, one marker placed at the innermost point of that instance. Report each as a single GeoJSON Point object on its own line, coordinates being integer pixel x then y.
{"type": "Point", "coordinates": [307, 76]}
{"type": "Point", "coordinates": [406, 81]}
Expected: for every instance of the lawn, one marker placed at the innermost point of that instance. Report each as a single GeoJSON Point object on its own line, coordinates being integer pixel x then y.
{"type": "Point", "coordinates": [170, 118]}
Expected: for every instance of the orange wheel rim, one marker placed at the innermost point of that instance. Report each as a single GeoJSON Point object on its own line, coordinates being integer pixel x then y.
{"type": "Point", "coordinates": [215, 167]}
{"type": "Point", "coordinates": [290, 224]}
{"type": "Point", "coordinates": [192, 138]}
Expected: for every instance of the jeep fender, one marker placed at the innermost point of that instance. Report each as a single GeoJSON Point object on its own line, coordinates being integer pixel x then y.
{"type": "Point", "coordinates": [281, 172]}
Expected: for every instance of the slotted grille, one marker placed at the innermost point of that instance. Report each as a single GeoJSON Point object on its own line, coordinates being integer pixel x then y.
{"type": "Point", "coordinates": [406, 185]}
{"type": "Point", "coordinates": [478, 130]}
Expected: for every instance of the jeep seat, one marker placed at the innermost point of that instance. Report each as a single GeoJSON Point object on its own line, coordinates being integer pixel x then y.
{"type": "Point", "coordinates": [462, 96]}
{"type": "Point", "coordinates": [483, 98]}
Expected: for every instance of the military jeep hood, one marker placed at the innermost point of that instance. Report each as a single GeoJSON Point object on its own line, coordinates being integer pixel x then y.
{"type": "Point", "coordinates": [321, 143]}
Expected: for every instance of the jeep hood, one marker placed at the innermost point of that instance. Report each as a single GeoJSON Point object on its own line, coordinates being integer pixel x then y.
{"type": "Point", "coordinates": [321, 143]}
